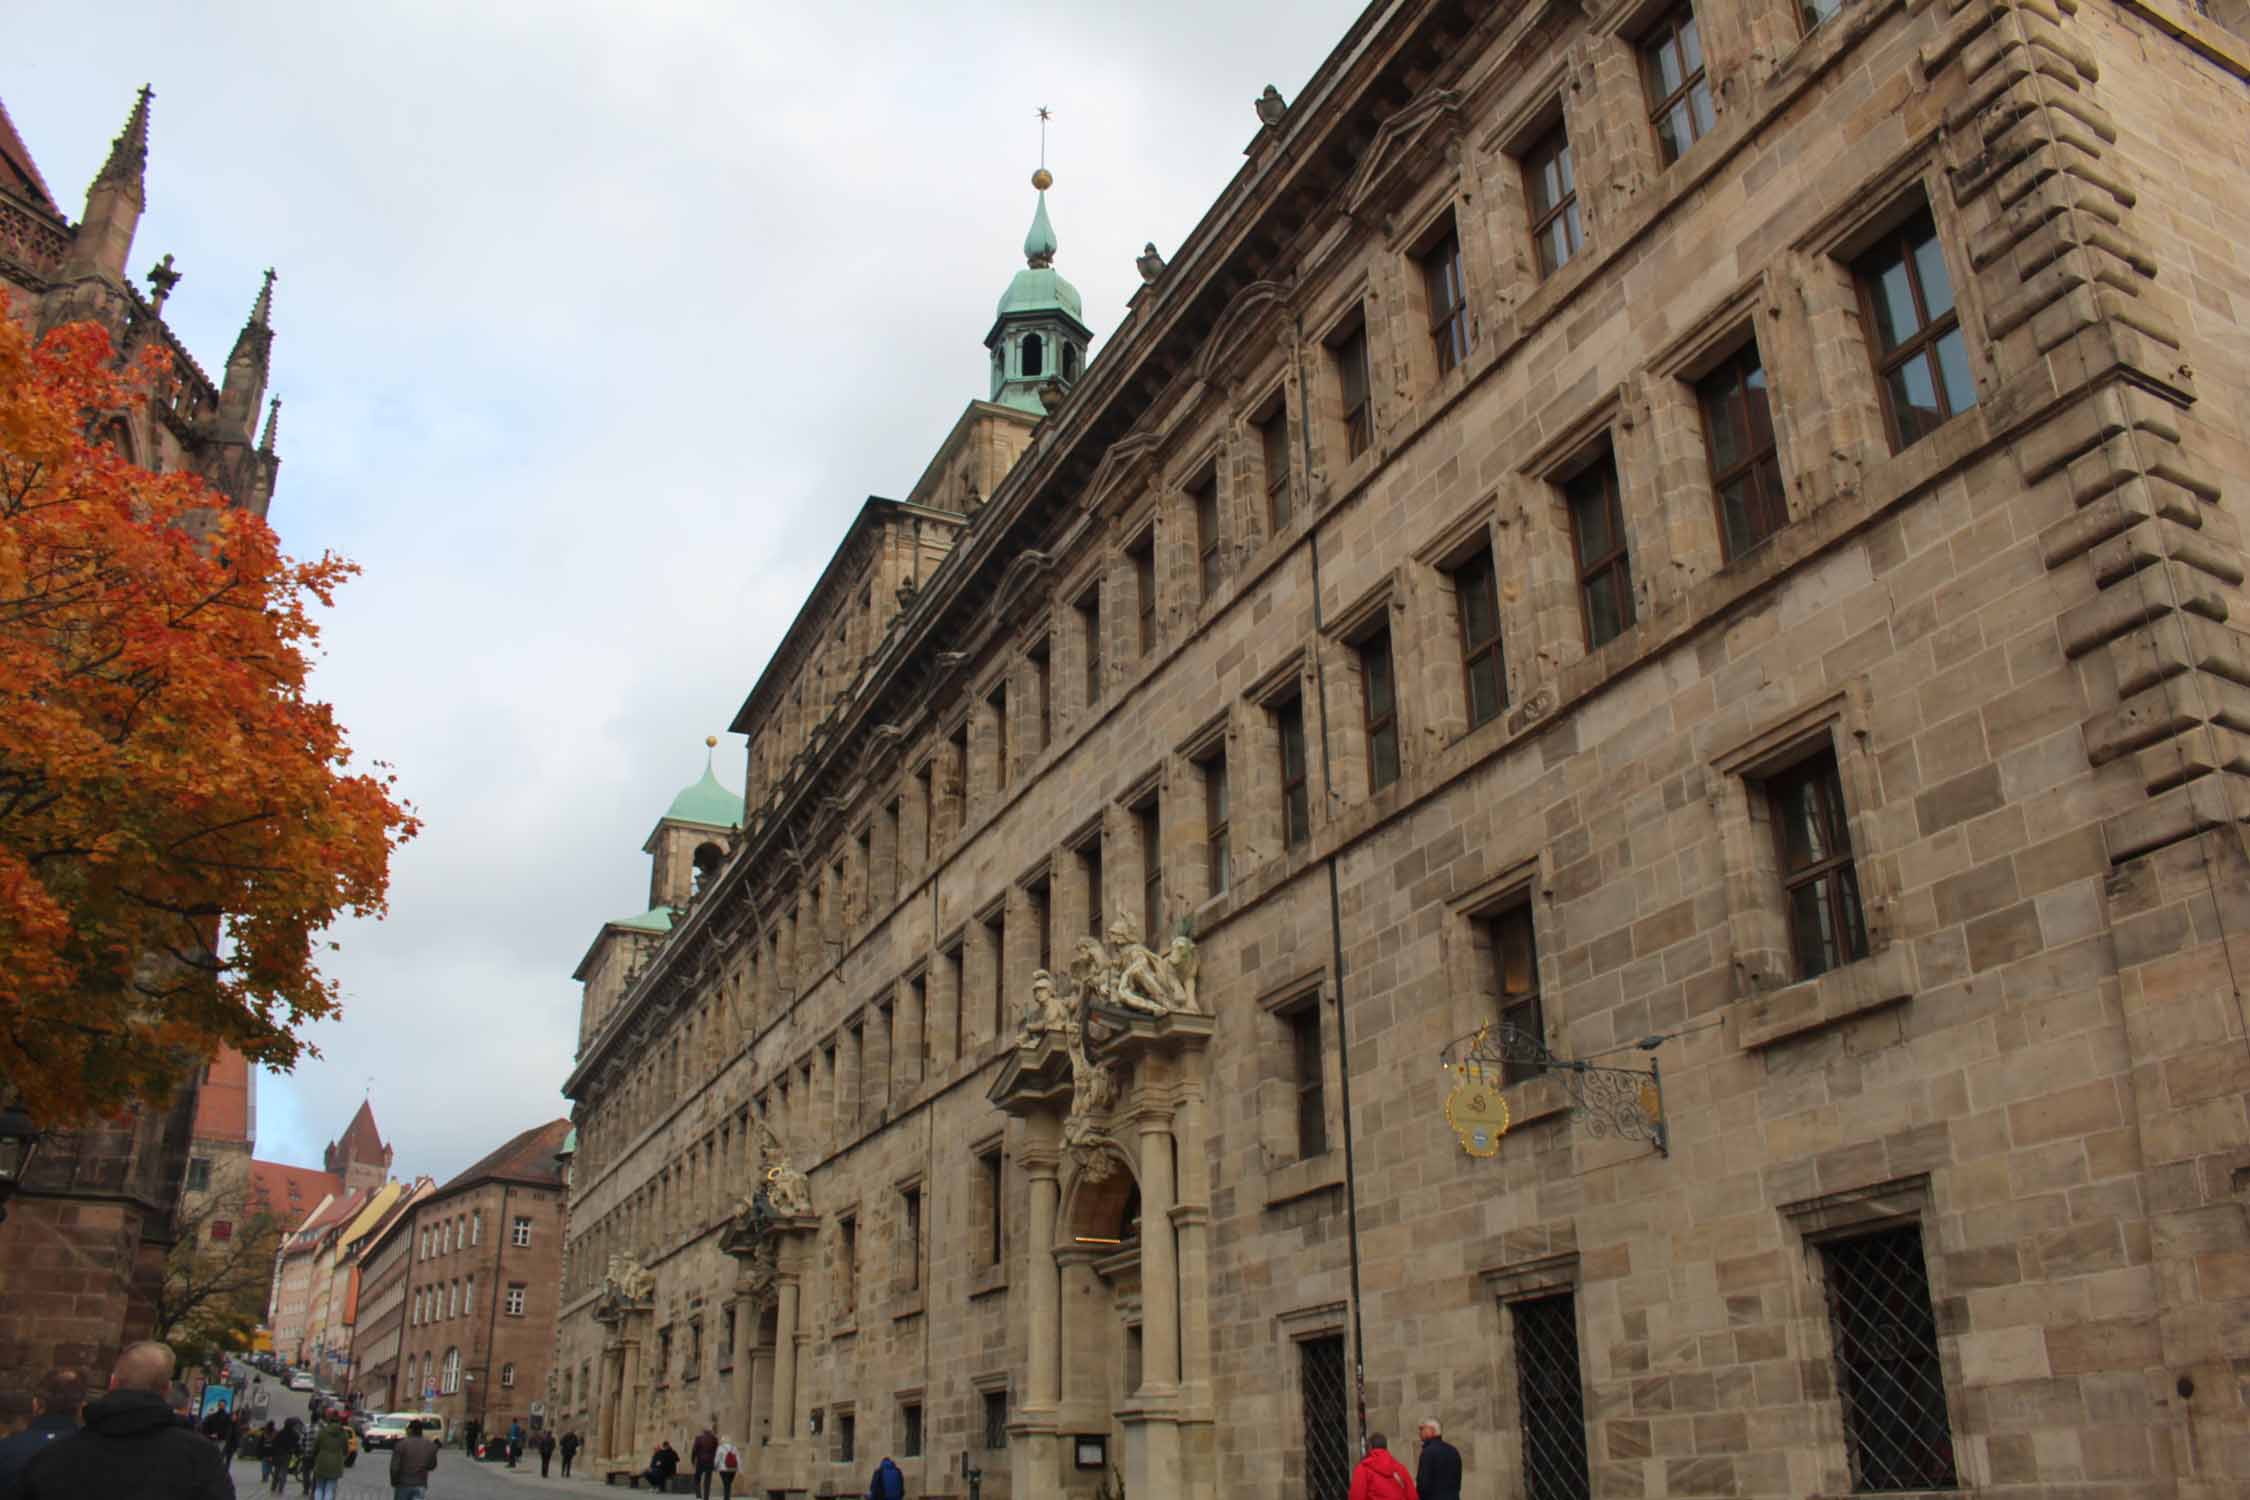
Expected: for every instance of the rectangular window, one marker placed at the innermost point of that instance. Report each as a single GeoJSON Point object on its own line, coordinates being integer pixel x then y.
{"type": "Point", "coordinates": [910, 1430]}
{"type": "Point", "coordinates": [1814, 12]}
{"type": "Point", "coordinates": [1379, 709]}
{"type": "Point", "coordinates": [1204, 492]}
{"type": "Point", "coordinates": [957, 783]}
{"type": "Point", "coordinates": [726, 1347]}
{"type": "Point", "coordinates": [1148, 823]}
{"type": "Point", "coordinates": [1550, 1400]}
{"type": "Point", "coordinates": [1296, 790]}
{"type": "Point", "coordinates": [1515, 966]}
{"type": "Point", "coordinates": [1090, 866]}
{"type": "Point", "coordinates": [1354, 386]}
{"type": "Point", "coordinates": [1090, 638]}
{"type": "Point", "coordinates": [1679, 95]}
{"type": "Point", "coordinates": [199, 1175]}
{"type": "Point", "coordinates": [1476, 592]}
{"type": "Point", "coordinates": [1597, 539]}
{"type": "Point", "coordinates": [469, 1298]}
{"type": "Point", "coordinates": [1042, 692]}
{"type": "Point", "coordinates": [890, 844]}
{"type": "Point", "coordinates": [1921, 359]}
{"type": "Point", "coordinates": [847, 1263]}
{"type": "Point", "coordinates": [910, 1214]}
{"type": "Point", "coordinates": [1898, 1434]}
{"type": "Point", "coordinates": [515, 1299]}
{"type": "Point", "coordinates": [1826, 929]}
{"type": "Point", "coordinates": [1218, 863]}
{"type": "Point", "coordinates": [954, 978]}
{"type": "Point", "coordinates": [1273, 448]}
{"type": "Point", "coordinates": [927, 777]}
{"type": "Point", "coordinates": [1445, 284]}
{"type": "Point", "coordinates": [1311, 1079]}
{"type": "Point", "coordinates": [995, 1421]}
{"type": "Point", "coordinates": [998, 703]}
{"type": "Point", "coordinates": [996, 946]}
{"type": "Point", "coordinates": [522, 1232]}
{"type": "Point", "coordinates": [1745, 464]}
{"type": "Point", "coordinates": [1142, 555]}
{"type": "Point", "coordinates": [918, 1045]}
{"type": "Point", "coordinates": [847, 1437]}
{"type": "Point", "coordinates": [1551, 191]}
{"type": "Point", "coordinates": [1324, 1390]}
{"type": "Point", "coordinates": [990, 1183]}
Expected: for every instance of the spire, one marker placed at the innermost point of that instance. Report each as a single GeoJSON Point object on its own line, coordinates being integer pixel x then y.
{"type": "Point", "coordinates": [1039, 245]}
{"type": "Point", "coordinates": [256, 339]}
{"type": "Point", "coordinates": [244, 389]}
{"type": "Point", "coordinates": [273, 421]}
{"type": "Point", "coordinates": [128, 154]}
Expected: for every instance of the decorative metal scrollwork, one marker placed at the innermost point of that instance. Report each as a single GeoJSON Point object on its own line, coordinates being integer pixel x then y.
{"type": "Point", "coordinates": [1624, 1102]}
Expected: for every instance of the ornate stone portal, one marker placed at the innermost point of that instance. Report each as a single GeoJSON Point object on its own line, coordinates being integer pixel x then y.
{"type": "Point", "coordinates": [1109, 1078]}
{"type": "Point", "coordinates": [624, 1308]}
{"type": "Point", "coordinates": [772, 1236]}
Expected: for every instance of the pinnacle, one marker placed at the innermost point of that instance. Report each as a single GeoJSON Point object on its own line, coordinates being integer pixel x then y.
{"type": "Point", "coordinates": [273, 422]}
{"type": "Point", "coordinates": [128, 154]}
{"type": "Point", "coordinates": [261, 311]}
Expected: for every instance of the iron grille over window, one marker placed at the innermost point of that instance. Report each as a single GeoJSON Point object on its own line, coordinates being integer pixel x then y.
{"type": "Point", "coordinates": [1549, 1400]}
{"type": "Point", "coordinates": [1896, 1428]}
{"type": "Point", "coordinates": [1328, 1448]}
{"type": "Point", "coordinates": [995, 1419]}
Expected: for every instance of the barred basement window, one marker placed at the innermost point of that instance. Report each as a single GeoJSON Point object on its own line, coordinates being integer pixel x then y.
{"type": "Point", "coordinates": [1897, 1431]}
{"type": "Point", "coordinates": [995, 1420]}
{"type": "Point", "coordinates": [847, 1437]}
{"type": "Point", "coordinates": [1322, 1386]}
{"type": "Point", "coordinates": [910, 1423]}
{"type": "Point", "coordinates": [1549, 1401]}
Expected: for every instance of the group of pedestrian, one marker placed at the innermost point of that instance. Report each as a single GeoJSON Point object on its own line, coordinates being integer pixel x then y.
{"type": "Point", "coordinates": [1436, 1476]}
{"type": "Point", "coordinates": [127, 1441]}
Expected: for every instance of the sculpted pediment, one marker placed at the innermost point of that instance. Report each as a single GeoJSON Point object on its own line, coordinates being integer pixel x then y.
{"type": "Point", "coordinates": [1237, 325]}
{"type": "Point", "coordinates": [1406, 147]}
{"type": "Point", "coordinates": [1117, 477]}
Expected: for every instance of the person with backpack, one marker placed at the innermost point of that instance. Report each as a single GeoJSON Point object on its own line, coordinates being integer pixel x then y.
{"type": "Point", "coordinates": [1380, 1476]}
{"type": "Point", "coordinates": [889, 1483]}
{"type": "Point", "coordinates": [730, 1464]}
{"type": "Point", "coordinates": [570, 1446]}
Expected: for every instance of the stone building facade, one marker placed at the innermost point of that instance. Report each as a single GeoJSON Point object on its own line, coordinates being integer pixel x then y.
{"type": "Point", "coordinates": [1699, 534]}
{"type": "Point", "coordinates": [484, 1266]}
{"type": "Point", "coordinates": [82, 1255]}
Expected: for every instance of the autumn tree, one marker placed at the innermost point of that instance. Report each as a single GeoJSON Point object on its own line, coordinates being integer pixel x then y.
{"type": "Point", "coordinates": [216, 1278]}
{"type": "Point", "coordinates": [179, 818]}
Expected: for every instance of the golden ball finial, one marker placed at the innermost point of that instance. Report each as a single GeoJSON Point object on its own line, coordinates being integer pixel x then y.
{"type": "Point", "coordinates": [1042, 179]}
{"type": "Point", "coordinates": [710, 742]}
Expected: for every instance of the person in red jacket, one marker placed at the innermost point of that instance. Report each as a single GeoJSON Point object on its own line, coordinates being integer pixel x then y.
{"type": "Point", "coordinates": [1380, 1476]}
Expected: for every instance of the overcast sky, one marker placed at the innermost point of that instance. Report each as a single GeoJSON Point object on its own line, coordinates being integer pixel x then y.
{"type": "Point", "coordinates": [596, 323]}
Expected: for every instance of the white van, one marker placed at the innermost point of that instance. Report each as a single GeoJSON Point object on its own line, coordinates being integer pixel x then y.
{"type": "Point", "coordinates": [386, 1430]}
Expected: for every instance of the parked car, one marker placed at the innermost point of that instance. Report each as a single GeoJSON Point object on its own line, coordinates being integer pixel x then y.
{"type": "Point", "coordinates": [387, 1429]}
{"type": "Point", "coordinates": [300, 1380]}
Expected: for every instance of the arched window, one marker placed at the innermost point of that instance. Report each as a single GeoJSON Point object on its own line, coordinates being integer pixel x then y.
{"type": "Point", "coordinates": [1034, 355]}
{"type": "Point", "coordinates": [707, 859]}
{"type": "Point", "coordinates": [452, 1380]}
{"type": "Point", "coordinates": [1070, 360]}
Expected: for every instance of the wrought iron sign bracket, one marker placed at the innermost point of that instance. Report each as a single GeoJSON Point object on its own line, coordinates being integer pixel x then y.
{"type": "Point", "coordinates": [1624, 1102]}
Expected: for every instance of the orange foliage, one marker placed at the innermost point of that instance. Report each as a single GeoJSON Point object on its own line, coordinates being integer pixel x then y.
{"type": "Point", "coordinates": [177, 823]}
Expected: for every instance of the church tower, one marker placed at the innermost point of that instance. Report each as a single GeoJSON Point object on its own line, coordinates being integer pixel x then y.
{"type": "Point", "coordinates": [1038, 334]}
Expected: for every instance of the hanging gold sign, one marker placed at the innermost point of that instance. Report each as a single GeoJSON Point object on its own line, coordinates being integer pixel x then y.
{"type": "Point", "coordinates": [1476, 1109]}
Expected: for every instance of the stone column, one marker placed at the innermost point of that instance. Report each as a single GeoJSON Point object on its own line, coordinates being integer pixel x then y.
{"type": "Point", "coordinates": [1193, 1218]}
{"type": "Point", "coordinates": [629, 1398]}
{"type": "Point", "coordinates": [785, 1363]}
{"type": "Point", "coordinates": [1045, 1390]}
{"type": "Point", "coordinates": [1160, 1276]}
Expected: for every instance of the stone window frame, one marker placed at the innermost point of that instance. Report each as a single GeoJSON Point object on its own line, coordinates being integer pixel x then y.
{"type": "Point", "coordinates": [916, 1397]}
{"type": "Point", "coordinates": [1031, 902]}
{"type": "Point", "coordinates": [1294, 1328]}
{"type": "Point", "coordinates": [1288, 1176]}
{"type": "Point", "coordinates": [1205, 456]}
{"type": "Point", "coordinates": [1093, 834]}
{"type": "Point", "coordinates": [1340, 310]}
{"type": "Point", "coordinates": [951, 951]}
{"type": "Point", "coordinates": [1553, 1272]}
{"type": "Point", "coordinates": [1149, 791]}
{"type": "Point", "coordinates": [1845, 1214]}
{"type": "Point", "coordinates": [988, 1276]}
{"type": "Point", "coordinates": [1444, 695]}
{"type": "Point", "coordinates": [730, 1334]}
{"type": "Point", "coordinates": [909, 1289]}
{"type": "Point", "coordinates": [1379, 610]}
{"type": "Point", "coordinates": [1771, 1005]}
{"type": "Point", "coordinates": [1260, 814]}
{"type": "Point", "coordinates": [843, 1418]}
{"type": "Point", "coordinates": [983, 1387]}
{"type": "Point", "coordinates": [1215, 737]}
{"type": "Point", "coordinates": [1442, 205]}
{"type": "Point", "coordinates": [993, 925]}
{"type": "Point", "coordinates": [1268, 402]}
{"type": "Point", "coordinates": [1526, 881]}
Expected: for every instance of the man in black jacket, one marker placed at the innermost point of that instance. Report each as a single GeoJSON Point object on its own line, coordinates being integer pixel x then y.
{"type": "Point", "coordinates": [1437, 1474]}
{"type": "Point", "coordinates": [131, 1443]}
{"type": "Point", "coordinates": [54, 1415]}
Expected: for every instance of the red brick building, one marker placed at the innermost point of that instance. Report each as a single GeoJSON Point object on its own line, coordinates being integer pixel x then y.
{"type": "Point", "coordinates": [483, 1274]}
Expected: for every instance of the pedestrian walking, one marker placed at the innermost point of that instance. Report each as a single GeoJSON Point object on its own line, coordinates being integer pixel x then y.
{"type": "Point", "coordinates": [1437, 1471]}
{"type": "Point", "coordinates": [515, 1443]}
{"type": "Point", "coordinates": [704, 1452]}
{"type": "Point", "coordinates": [131, 1443]}
{"type": "Point", "coordinates": [411, 1462]}
{"type": "Point", "coordinates": [730, 1464]}
{"type": "Point", "coordinates": [888, 1483]}
{"type": "Point", "coordinates": [1379, 1475]}
{"type": "Point", "coordinates": [54, 1414]}
{"type": "Point", "coordinates": [569, 1451]}
{"type": "Point", "coordinates": [282, 1452]}
{"type": "Point", "coordinates": [324, 1465]}
{"type": "Point", "coordinates": [546, 1450]}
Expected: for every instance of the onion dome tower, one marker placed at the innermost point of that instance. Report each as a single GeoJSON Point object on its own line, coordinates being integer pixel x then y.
{"type": "Point", "coordinates": [1038, 333]}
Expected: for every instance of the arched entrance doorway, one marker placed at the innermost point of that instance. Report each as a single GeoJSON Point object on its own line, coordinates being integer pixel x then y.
{"type": "Point", "coordinates": [1098, 1256]}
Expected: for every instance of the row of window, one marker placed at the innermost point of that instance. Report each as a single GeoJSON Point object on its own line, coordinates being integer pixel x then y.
{"type": "Point", "coordinates": [458, 1299]}
{"type": "Point", "coordinates": [463, 1231]}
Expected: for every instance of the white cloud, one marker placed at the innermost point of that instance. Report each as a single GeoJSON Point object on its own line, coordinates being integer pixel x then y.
{"type": "Point", "coordinates": [596, 325]}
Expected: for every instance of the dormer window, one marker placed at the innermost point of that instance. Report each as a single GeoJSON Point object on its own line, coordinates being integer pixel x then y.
{"type": "Point", "coordinates": [1034, 355]}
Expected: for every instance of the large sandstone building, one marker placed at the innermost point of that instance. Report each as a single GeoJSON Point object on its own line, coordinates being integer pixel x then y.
{"type": "Point", "coordinates": [82, 1254]}
{"type": "Point", "coordinates": [1701, 535]}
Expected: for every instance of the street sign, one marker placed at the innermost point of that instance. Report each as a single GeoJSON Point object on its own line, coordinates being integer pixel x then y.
{"type": "Point", "coordinates": [539, 1408]}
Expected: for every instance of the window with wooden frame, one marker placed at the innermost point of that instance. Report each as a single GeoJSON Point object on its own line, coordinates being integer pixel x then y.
{"type": "Point", "coordinates": [1273, 452]}
{"type": "Point", "coordinates": [1203, 494]}
{"type": "Point", "coordinates": [1038, 897]}
{"type": "Point", "coordinates": [996, 947]}
{"type": "Point", "coordinates": [1148, 825]}
{"type": "Point", "coordinates": [910, 1234]}
{"type": "Point", "coordinates": [1089, 609]}
{"type": "Point", "coordinates": [1445, 285]}
{"type": "Point", "coordinates": [1597, 541]}
{"type": "Point", "coordinates": [1378, 683]}
{"type": "Point", "coordinates": [1142, 555]}
{"type": "Point", "coordinates": [1679, 92]}
{"type": "Point", "coordinates": [1484, 668]}
{"type": "Point", "coordinates": [997, 701]}
{"type": "Point", "coordinates": [957, 783]}
{"type": "Point", "coordinates": [1090, 874]}
{"type": "Point", "coordinates": [1218, 860]}
{"type": "Point", "coordinates": [1550, 185]}
{"type": "Point", "coordinates": [1041, 659]}
{"type": "Point", "coordinates": [1308, 1077]}
{"type": "Point", "coordinates": [1745, 463]}
{"type": "Point", "coordinates": [1513, 943]}
{"type": "Point", "coordinates": [953, 973]}
{"type": "Point", "coordinates": [991, 1184]}
{"type": "Point", "coordinates": [925, 777]}
{"type": "Point", "coordinates": [1921, 357]}
{"type": "Point", "coordinates": [1827, 928]}
{"type": "Point", "coordinates": [847, 1264]}
{"type": "Point", "coordinates": [1347, 350]}
{"type": "Point", "coordinates": [1296, 788]}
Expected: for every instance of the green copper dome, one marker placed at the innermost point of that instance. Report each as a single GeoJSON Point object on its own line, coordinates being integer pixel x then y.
{"type": "Point", "coordinates": [707, 802]}
{"type": "Point", "coordinates": [1040, 290]}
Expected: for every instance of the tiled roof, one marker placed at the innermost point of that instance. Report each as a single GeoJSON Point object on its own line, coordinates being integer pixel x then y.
{"type": "Point", "coordinates": [289, 1193]}
{"type": "Point", "coordinates": [17, 170]}
{"type": "Point", "coordinates": [529, 1157]}
{"type": "Point", "coordinates": [361, 1141]}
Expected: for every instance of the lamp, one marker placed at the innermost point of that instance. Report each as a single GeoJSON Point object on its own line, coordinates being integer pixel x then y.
{"type": "Point", "coordinates": [19, 1138]}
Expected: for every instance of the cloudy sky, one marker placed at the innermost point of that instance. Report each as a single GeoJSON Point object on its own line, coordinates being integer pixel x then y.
{"type": "Point", "coordinates": [596, 324]}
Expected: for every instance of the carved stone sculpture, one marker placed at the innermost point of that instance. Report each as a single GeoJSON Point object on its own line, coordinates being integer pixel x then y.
{"type": "Point", "coordinates": [1147, 983]}
{"type": "Point", "coordinates": [1043, 1014]}
{"type": "Point", "coordinates": [627, 1280]}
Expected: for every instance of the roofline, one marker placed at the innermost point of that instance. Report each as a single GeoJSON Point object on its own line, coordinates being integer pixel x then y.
{"type": "Point", "coordinates": [579, 973]}
{"type": "Point", "coordinates": [649, 845]}
{"type": "Point", "coordinates": [870, 508]}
